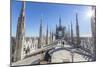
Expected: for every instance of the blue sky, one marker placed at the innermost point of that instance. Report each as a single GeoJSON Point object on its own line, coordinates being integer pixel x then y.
{"type": "Point", "coordinates": [50, 14]}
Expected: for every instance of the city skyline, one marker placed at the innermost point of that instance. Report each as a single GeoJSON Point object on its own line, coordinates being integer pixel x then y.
{"type": "Point", "coordinates": [50, 14]}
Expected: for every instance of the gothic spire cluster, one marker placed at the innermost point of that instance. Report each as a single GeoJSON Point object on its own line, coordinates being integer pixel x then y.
{"type": "Point", "coordinates": [49, 37]}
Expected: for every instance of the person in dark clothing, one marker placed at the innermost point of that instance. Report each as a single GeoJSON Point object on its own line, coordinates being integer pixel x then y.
{"type": "Point", "coordinates": [47, 57]}
{"type": "Point", "coordinates": [63, 43]}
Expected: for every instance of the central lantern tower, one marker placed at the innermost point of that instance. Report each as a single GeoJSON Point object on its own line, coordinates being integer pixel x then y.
{"type": "Point", "coordinates": [60, 30]}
